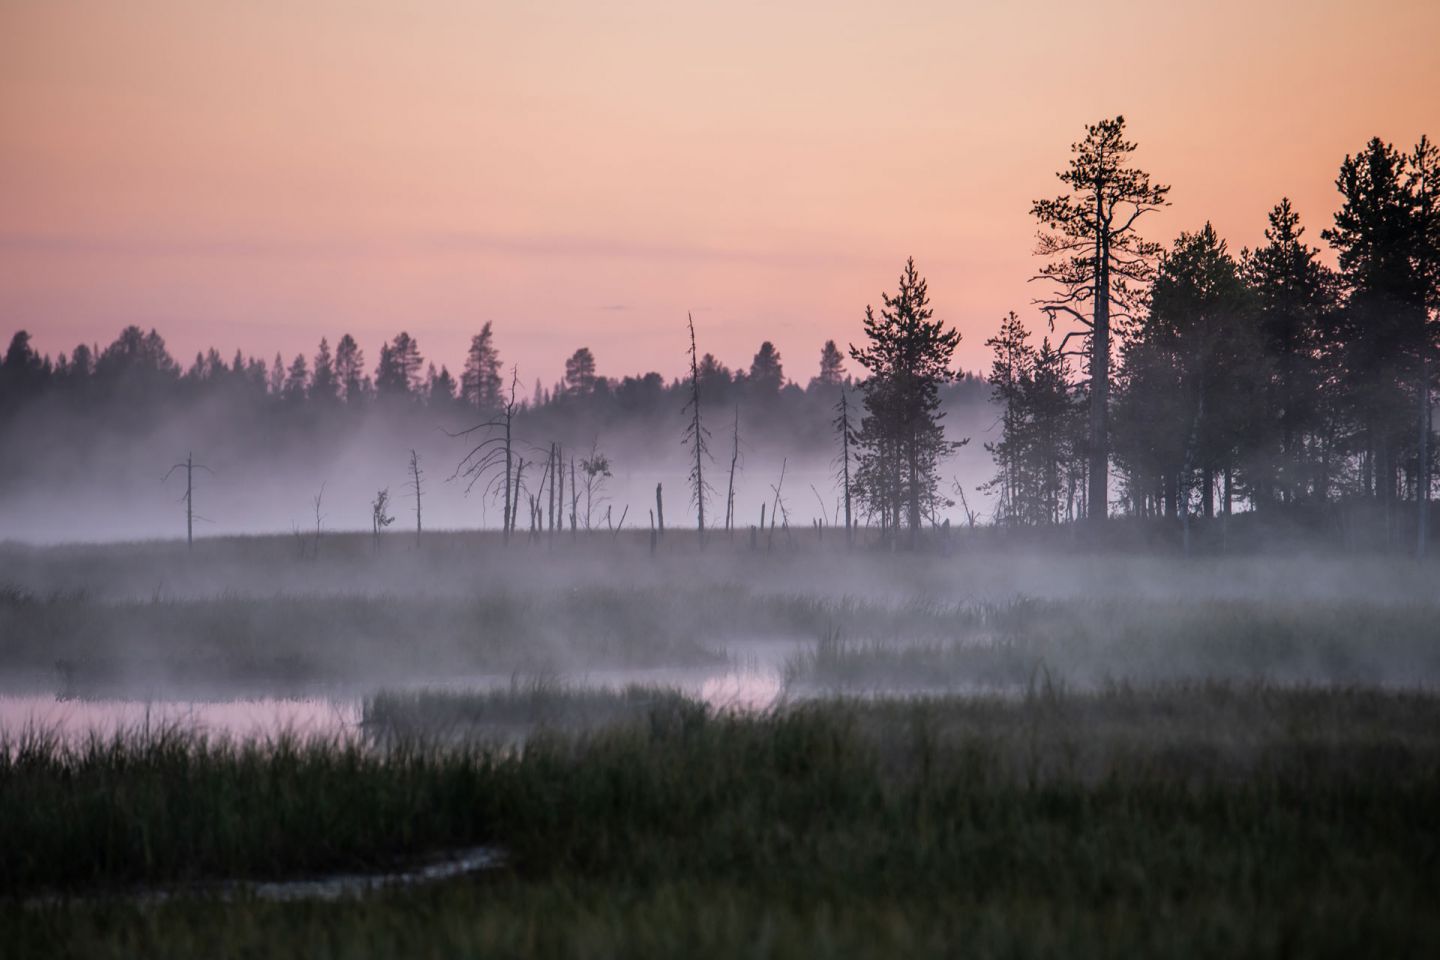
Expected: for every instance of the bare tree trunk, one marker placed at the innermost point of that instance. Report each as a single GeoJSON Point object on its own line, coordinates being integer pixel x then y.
{"type": "Point", "coordinates": [660, 508]}
{"type": "Point", "coordinates": [845, 464]}
{"type": "Point", "coordinates": [189, 466]}
{"type": "Point", "coordinates": [698, 438]}
{"type": "Point", "coordinates": [730, 491]}
{"type": "Point", "coordinates": [514, 501]}
{"type": "Point", "coordinates": [1422, 488]}
{"type": "Point", "coordinates": [550, 469]}
{"type": "Point", "coordinates": [189, 502]}
{"type": "Point", "coordinates": [510, 495]}
{"type": "Point", "coordinates": [315, 551]}
{"type": "Point", "coordinates": [415, 481]}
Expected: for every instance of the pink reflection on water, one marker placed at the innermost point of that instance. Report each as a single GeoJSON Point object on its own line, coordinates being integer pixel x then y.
{"type": "Point", "coordinates": [245, 719]}
{"type": "Point", "coordinates": [747, 691]}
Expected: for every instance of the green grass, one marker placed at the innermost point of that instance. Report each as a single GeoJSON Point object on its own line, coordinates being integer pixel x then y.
{"type": "Point", "coordinates": [510, 713]}
{"type": "Point", "coordinates": [1196, 820]}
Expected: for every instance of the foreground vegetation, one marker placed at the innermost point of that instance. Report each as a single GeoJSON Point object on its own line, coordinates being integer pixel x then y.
{"type": "Point", "coordinates": [1204, 820]}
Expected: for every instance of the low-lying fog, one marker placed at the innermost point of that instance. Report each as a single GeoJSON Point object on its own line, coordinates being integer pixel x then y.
{"type": "Point", "coordinates": [86, 484]}
{"type": "Point", "coordinates": [99, 636]}
{"type": "Point", "coordinates": [107, 618]}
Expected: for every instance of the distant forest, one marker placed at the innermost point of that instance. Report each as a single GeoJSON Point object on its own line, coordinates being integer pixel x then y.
{"type": "Point", "coordinates": [1205, 381]}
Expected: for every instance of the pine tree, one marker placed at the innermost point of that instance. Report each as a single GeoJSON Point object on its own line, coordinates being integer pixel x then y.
{"type": "Point", "coordinates": [1295, 304]}
{"type": "Point", "coordinates": [580, 373]}
{"type": "Point", "coordinates": [350, 370]}
{"type": "Point", "coordinates": [1198, 358]}
{"type": "Point", "coordinates": [767, 374]}
{"type": "Point", "coordinates": [832, 367]}
{"type": "Point", "coordinates": [480, 380]}
{"type": "Point", "coordinates": [901, 441]}
{"type": "Point", "coordinates": [297, 380]}
{"type": "Point", "coordinates": [323, 383]}
{"type": "Point", "coordinates": [1382, 331]}
{"type": "Point", "coordinates": [1096, 259]}
{"type": "Point", "coordinates": [1010, 369]}
{"type": "Point", "coordinates": [398, 372]}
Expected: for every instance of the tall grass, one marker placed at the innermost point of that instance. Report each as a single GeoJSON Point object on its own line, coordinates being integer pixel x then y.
{"type": "Point", "coordinates": [819, 795]}
{"type": "Point", "coordinates": [1199, 820]}
{"type": "Point", "coordinates": [1090, 643]}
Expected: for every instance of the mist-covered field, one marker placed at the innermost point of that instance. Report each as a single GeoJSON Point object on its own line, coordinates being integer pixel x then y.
{"type": "Point", "coordinates": [580, 745]}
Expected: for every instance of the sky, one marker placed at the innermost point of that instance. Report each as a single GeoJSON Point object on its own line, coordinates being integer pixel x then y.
{"type": "Point", "coordinates": [258, 175]}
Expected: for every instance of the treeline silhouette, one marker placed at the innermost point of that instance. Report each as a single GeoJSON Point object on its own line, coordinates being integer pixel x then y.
{"type": "Point", "coordinates": [1209, 382]}
{"type": "Point", "coordinates": [1265, 378]}
{"type": "Point", "coordinates": [135, 376]}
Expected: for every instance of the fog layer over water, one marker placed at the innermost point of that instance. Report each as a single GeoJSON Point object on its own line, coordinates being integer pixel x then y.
{"type": "Point", "coordinates": [91, 634]}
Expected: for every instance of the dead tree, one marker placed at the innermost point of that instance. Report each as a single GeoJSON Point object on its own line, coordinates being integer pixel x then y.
{"type": "Point", "coordinates": [778, 505]}
{"type": "Point", "coordinates": [660, 508]}
{"type": "Point", "coordinates": [820, 521]}
{"type": "Point", "coordinates": [319, 498]}
{"type": "Point", "coordinates": [188, 497]}
{"type": "Point", "coordinates": [514, 496]}
{"type": "Point", "coordinates": [596, 470]}
{"type": "Point", "coordinates": [550, 470]}
{"type": "Point", "coordinates": [847, 432]}
{"type": "Point", "coordinates": [696, 437]}
{"type": "Point", "coordinates": [574, 502]}
{"type": "Point", "coordinates": [417, 478]}
{"type": "Point", "coordinates": [380, 515]}
{"type": "Point", "coordinates": [560, 491]}
{"type": "Point", "coordinates": [490, 461]}
{"type": "Point", "coordinates": [970, 517]}
{"type": "Point", "coordinates": [538, 523]}
{"type": "Point", "coordinates": [734, 459]}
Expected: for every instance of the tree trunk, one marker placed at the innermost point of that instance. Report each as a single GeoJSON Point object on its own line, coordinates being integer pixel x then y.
{"type": "Point", "coordinates": [1422, 487]}
{"type": "Point", "coordinates": [1099, 497]}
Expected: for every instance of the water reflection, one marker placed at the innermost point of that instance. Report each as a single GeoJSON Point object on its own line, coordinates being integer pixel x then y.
{"type": "Point", "coordinates": [748, 688]}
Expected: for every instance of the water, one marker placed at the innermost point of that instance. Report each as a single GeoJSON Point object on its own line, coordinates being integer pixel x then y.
{"type": "Point", "coordinates": [333, 886]}
{"type": "Point", "coordinates": [749, 688]}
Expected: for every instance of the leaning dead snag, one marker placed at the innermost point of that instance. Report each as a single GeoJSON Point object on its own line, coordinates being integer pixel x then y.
{"type": "Point", "coordinates": [779, 504]}
{"type": "Point", "coordinates": [380, 515]}
{"type": "Point", "coordinates": [188, 497]}
{"type": "Point", "coordinates": [819, 520]}
{"type": "Point", "coordinates": [490, 461]}
{"type": "Point", "coordinates": [734, 459]}
{"type": "Point", "coordinates": [696, 437]}
{"type": "Point", "coordinates": [416, 479]}
{"type": "Point", "coordinates": [846, 431]}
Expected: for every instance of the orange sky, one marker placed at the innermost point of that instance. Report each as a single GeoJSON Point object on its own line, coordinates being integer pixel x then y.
{"type": "Point", "coordinates": [260, 174]}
